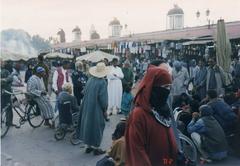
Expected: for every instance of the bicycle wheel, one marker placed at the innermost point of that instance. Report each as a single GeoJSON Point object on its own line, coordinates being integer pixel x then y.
{"type": "Point", "coordinates": [4, 125]}
{"type": "Point", "coordinates": [59, 134]}
{"type": "Point", "coordinates": [74, 139]}
{"type": "Point", "coordinates": [34, 118]}
{"type": "Point", "coordinates": [188, 148]}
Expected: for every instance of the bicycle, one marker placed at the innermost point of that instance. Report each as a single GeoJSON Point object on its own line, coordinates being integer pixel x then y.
{"type": "Point", "coordinates": [26, 109]}
{"type": "Point", "coordinates": [188, 149]}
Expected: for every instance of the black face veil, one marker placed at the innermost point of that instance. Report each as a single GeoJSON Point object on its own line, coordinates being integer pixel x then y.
{"type": "Point", "coordinates": [158, 100]}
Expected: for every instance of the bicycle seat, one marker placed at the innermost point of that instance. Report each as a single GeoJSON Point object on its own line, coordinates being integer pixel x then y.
{"type": "Point", "coordinates": [29, 98]}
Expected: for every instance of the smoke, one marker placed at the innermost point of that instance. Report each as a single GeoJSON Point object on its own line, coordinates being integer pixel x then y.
{"type": "Point", "coordinates": [20, 42]}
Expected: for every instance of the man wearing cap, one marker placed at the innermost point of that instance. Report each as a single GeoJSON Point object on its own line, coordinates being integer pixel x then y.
{"type": "Point", "coordinates": [35, 86]}
{"type": "Point", "coordinates": [208, 135]}
{"type": "Point", "coordinates": [43, 65]}
{"type": "Point", "coordinates": [93, 109]}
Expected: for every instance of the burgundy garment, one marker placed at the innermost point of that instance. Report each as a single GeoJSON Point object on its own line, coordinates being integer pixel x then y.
{"type": "Point", "coordinates": [60, 79]}
{"type": "Point", "coordinates": [149, 143]}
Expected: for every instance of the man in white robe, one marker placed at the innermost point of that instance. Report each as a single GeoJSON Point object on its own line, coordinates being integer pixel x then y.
{"type": "Point", "coordinates": [115, 87]}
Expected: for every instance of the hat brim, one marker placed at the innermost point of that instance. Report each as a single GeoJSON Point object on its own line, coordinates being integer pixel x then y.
{"type": "Point", "coordinates": [93, 72]}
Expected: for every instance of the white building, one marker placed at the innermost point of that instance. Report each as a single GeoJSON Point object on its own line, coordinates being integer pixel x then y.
{"type": "Point", "coordinates": [76, 34]}
{"type": "Point", "coordinates": [175, 18]}
{"type": "Point", "coordinates": [115, 28]}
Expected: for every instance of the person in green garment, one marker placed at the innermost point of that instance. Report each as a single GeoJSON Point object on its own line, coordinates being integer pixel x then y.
{"type": "Point", "coordinates": [127, 80]}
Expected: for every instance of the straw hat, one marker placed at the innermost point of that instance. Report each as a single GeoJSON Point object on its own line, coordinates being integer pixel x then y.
{"type": "Point", "coordinates": [100, 70]}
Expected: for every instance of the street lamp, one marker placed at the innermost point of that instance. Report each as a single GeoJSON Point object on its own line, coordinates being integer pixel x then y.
{"type": "Point", "coordinates": [207, 12]}
{"type": "Point", "coordinates": [207, 15]}
{"type": "Point", "coordinates": [208, 20]}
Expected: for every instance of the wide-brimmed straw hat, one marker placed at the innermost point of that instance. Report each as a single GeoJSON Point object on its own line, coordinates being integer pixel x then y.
{"type": "Point", "coordinates": [100, 70]}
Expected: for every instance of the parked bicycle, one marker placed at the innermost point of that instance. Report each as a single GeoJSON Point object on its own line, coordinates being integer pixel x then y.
{"type": "Point", "coordinates": [26, 109]}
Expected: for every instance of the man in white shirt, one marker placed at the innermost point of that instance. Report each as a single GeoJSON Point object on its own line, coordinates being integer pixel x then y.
{"type": "Point", "coordinates": [114, 87]}
{"type": "Point", "coordinates": [61, 76]}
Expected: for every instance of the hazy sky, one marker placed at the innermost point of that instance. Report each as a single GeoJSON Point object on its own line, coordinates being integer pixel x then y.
{"type": "Point", "coordinates": [45, 17]}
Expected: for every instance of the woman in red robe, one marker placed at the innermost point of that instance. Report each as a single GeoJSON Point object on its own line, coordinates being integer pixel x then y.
{"type": "Point", "coordinates": [150, 140]}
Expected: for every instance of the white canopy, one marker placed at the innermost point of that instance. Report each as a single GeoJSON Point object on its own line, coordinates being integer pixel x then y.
{"type": "Point", "coordinates": [96, 56]}
{"type": "Point", "coordinates": [58, 55]}
{"type": "Point", "coordinates": [7, 55]}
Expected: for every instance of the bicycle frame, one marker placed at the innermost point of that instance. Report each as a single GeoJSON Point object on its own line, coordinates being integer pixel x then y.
{"type": "Point", "coordinates": [16, 106]}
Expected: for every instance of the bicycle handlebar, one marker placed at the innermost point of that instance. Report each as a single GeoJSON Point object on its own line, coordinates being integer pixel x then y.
{"type": "Point", "coordinates": [14, 93]}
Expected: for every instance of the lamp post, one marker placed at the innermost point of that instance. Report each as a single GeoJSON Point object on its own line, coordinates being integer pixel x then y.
{"type": "Point", "coordinates": [207, 15]}
{"type": "Point", "coordinates": [198, 15]}
{"type": "Point", "coordinates": [208, 20]}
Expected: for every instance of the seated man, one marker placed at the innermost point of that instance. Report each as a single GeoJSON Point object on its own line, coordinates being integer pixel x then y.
{"type": "Point", "coordinates": [182, 101]}
{"type": "Point", "coordinates": [67, 104]}
{"type": "Point", "coordinates": [222, 112]}
{"type": "Point", "coordinates": [36, 88]}
{"type": "Point", "coordinates": [208, 135]}
{"type": "Point", "coordinates": [117, 150]}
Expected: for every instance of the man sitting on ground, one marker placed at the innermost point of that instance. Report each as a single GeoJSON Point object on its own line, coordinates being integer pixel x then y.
{"type": "Point", "coordinates": [222, 112]}
{"type": "Point", "coordinates": [208, 135]}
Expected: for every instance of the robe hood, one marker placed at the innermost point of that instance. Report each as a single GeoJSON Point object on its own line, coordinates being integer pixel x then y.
{"type": "Point", "coordinates": [154, 77]}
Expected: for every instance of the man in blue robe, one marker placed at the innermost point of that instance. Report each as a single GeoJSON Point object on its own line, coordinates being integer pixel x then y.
{"type": "Point", "coordinates": [94, 109]}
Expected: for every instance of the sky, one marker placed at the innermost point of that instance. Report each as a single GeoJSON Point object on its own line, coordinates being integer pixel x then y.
{"type": "Point", "coordinates": [45, 17]}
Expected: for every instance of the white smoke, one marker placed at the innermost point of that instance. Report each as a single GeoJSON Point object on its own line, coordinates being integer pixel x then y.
{"type": "Point", "coordinates": [17, 42]}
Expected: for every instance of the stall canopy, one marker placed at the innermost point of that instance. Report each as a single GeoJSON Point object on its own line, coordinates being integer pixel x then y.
{"type": "Point", "coordinates": [223, 50]}
{"type": "Point", "coordinates": [58, 55]}
{"type": "Point", "coordinates": [96, 56]}
{"type": "Point", "coordinates": [199, 42]}
{"type": "Point", "coordinates": [10, 56]}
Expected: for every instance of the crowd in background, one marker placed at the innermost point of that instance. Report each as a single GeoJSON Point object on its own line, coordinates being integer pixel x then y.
{"type": "Point", "coordinates": [201, 89]}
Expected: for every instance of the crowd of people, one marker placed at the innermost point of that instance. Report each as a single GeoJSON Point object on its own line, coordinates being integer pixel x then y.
{"type": "Point", "coordinates": [208, 97]}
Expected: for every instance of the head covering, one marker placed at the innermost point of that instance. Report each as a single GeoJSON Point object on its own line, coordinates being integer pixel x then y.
{"type": "Point", "coordinates": [205, 110]}
{"type": "Point", "coordinates": [193, 62]}
{"type": "Point", "coordinates": [100, 70]}
{"type": "Point", "coordinates": [79, 65]}
{"type": "Point", "coordinates": [119, 131]}
{"type": "Point", "coordinates": [67, 86]}
{"type": "Point", "coordinates": [177, 64]}
{"type": "Point", "coordinates": [40, 70]}
{"type": "Point", "coordinates": [154, 77]}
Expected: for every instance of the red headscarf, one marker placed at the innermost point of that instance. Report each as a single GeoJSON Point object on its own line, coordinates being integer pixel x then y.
{"type": "Point", "coordinates": [154, 77]}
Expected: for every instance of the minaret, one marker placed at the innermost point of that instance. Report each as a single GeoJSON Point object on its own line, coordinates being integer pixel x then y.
{"type": "Point", "coordinates": [76, 34]}
{"type": "Point", "coordinates": [93, 33]}
{"type": "Point", "coordinates": [175, 18]}
{"type": "Point", "coordinates": [115, 28]}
